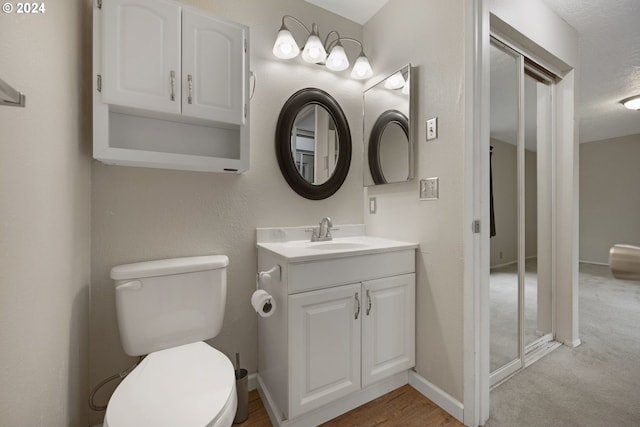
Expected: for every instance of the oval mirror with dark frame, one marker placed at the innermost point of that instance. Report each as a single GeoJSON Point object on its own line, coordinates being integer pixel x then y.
{"type": "Point", "coordinates": [388, 139]}
{"type": "Point", "coordinates": [313, 144]}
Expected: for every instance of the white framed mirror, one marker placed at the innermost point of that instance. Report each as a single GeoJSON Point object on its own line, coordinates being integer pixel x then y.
{"type": "Point", "coordinates": [388, 136]}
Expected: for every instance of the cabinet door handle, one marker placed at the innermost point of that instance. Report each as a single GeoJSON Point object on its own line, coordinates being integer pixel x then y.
{"type": "Point", "coordinates": [368, 302]}
{"type": "Point", "coordinates": [357, 306]}
{"type": "Point", "coordinates": [190, 84]}
{"type": "Point", "coordinates": [173, 85]}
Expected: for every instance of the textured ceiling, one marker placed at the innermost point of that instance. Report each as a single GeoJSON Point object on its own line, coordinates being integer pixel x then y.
{"type": "Point", "coordinates": [609, 64]}
{"type": "Point", "coordinates": [609, 58]}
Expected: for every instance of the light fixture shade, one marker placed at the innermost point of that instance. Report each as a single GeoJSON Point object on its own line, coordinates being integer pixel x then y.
{"type": "Point", "coordinates": [337, 60]}
{"type": "Point", "coordinates": [632, 103]}
{"type": "Point", "coordinates": [285, 46]}
{"type": "Point", "coordinates": [407, 87]}
{"type": "Point", "coordinates": [395, 81]}
{"type": "Point", "coordinates": [361, 69]}
{"type": "Point", "coordinates": [314, 51]}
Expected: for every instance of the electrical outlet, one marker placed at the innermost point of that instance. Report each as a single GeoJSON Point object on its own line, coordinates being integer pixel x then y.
{"type": "Point", "coordinates": [432, 129]}
{"type": "Point", "coordinates": [429, 189]}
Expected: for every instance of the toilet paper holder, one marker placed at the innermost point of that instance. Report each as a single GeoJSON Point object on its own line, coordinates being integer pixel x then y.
{"type": "Point", "coordinates": [265, 276]}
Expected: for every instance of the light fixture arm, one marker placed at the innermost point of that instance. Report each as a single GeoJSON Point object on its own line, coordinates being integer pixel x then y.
{"type": "Point", "coordinates": [293, 18]}
{"type": "Point", "coordinates": [342, 39]}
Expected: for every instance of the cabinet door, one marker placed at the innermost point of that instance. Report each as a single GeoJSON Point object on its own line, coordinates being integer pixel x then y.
{"type": "Point", "coordinates": [324, 346]}
{"type": "Point", "coordinates": [213, 68]}
{"type": "Point", "coordinates": [141, 54]}
{"type": "Point", "coordinates": [388, 327]}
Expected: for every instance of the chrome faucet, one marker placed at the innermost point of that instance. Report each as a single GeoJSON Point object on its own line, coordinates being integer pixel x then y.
{"type": "Point", "coordinates": [323, 232]}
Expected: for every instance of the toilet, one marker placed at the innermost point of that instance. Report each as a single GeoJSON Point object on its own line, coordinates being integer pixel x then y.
{"type": "Point", "coordinates": [165, 310]}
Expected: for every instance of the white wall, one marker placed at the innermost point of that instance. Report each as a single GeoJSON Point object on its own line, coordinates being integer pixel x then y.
{"type": "Point", "coordinates": [432, 38]}
{"type": "Point", "coordinates": [45, 218]}
{"type": "Point", "coordinates": [142, 214]}
{"type": "Point", "coordinates": [609, 196]}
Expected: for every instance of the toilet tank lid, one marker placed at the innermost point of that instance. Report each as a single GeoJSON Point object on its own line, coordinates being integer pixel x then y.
{"type": "Point", "coordinates": [165, 267]}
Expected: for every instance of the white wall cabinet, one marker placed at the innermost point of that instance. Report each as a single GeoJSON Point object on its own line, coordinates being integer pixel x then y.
{"type": "Point", "coordinates": [342, 327]}
{"type": "Point", "coordinates": [141, 54]}
{"type": "Point", "coordinates": [171, 87]}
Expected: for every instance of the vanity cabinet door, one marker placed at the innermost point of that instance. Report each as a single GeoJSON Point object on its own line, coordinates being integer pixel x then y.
{"type": "Point", "coordinates": [213, 72]}
{"type": "Point", "coordinates": [388, 327]}
{"type": "Point", "coordinates": [324, 346]}
{"type": "Point", "coordinates": [141, 54]}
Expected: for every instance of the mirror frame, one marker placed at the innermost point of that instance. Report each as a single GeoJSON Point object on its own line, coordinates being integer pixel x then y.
{"type": "Point", "coordinates": [385, 119]}
{"type": "Point", "coordinates": [372, 167]}
{"type": "Point", "coordinates": [287, 117]}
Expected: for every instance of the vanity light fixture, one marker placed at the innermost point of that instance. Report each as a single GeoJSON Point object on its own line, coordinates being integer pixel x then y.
{"type": "Point", "coordinates": [315, 51]}
{"type": "Point", "coordinates": [632, 103]}
{"type": "Point", "coordinates": [394, 81]}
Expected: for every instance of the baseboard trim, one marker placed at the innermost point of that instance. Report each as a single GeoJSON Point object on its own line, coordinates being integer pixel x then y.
{"type": "Point", "coordinates": [253, 381]}
{"type": "Point", "coordinates": [438, 396]}
{"type": "Point", "coordinates": [572, 344]}
{"type": "Point", "coordinates": [333, 409]}
{"type": "Point", "coordinates": [584, 261]}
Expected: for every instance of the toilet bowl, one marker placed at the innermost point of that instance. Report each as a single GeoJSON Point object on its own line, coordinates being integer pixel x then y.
{"type": "Point", "coordinates": [165, 310]}
{"type": "Point", "coordinates": [191, 385]}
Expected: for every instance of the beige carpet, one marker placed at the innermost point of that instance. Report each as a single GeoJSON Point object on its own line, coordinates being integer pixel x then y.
{"type": "Point", "coordinates": [595, 384]}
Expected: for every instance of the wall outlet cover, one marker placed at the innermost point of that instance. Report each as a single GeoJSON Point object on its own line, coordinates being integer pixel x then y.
{"type": "Point", "coordinates": [429, 189]}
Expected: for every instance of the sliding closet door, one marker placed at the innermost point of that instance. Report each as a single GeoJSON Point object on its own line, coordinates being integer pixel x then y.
{"type": "Point", "coordinates": [521, 290]}
{"type": "Point", "coordinates": [538, 320]}
{"type": "Point", "coordinates": [505, 354]}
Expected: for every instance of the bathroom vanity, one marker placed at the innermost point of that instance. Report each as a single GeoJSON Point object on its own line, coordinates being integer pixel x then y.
{"type": "Point", "coordinates": [344, 329]}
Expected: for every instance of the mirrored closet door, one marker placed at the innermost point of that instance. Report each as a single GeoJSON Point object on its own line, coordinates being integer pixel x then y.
{"type": "Point", "coordinates": [521, 291]}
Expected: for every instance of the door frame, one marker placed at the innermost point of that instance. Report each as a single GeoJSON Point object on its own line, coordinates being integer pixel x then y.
{"type": "Point", "coordinates": [481, 17]}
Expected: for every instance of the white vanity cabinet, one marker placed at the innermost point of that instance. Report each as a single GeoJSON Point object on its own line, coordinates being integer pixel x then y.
{"type": "Point", "coordinates": [325, 328]}
{"type": "Point", "coordinates": [343, 332]}
{"type": "Point", "coordinates": [347, 337]}
{"type": "Point", "coordinates": [171, 87]}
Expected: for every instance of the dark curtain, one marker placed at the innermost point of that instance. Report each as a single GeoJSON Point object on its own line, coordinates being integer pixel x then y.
{"type": "Point", "coordinates": [492, 217]}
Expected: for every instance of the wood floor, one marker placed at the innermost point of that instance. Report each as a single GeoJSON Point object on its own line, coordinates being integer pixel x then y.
{"type": "Point", "coordinates": [402, 407]}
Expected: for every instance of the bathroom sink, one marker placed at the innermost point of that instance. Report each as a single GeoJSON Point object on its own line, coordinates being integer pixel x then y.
{"type": "Point", "coordinates": [293, 243]}
{"type": "Point", "coordinates": [330, 246]}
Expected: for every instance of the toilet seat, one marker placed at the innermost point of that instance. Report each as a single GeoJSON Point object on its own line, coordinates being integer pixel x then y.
{"type": "Point", "coordinates": [191, 385]}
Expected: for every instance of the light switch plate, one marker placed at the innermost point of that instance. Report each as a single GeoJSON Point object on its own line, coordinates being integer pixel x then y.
{"type": "Point", "coordinates": [429, 189]}
{"type": "Point", "coordinates": [372, 205]}
{"type": "Point", "coordinates": [432, 129]}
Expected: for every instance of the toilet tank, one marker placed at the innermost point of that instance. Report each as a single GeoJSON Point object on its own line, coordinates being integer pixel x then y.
{"type": "Point", "coordinates": [170, 302]}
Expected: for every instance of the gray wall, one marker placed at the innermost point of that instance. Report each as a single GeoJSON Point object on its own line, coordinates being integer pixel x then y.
{"type": "Point", "coordinates": [142, 214]}
{"type": "Point", "coordinates": [609, 196]}
{"type": "Point", "coordinates": [45, 218]}
{"type": "Point", "coordinates": [432, 38]}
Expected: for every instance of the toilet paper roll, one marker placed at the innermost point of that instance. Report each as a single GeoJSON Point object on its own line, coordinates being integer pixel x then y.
{"type": "Point", "coordinates": [263, 303]}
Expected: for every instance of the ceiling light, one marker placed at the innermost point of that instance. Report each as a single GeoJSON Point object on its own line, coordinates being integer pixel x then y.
{"type": "Point", "coordinates": [315, 51]}
{"type": "Point", "coordinates": [632, 103]}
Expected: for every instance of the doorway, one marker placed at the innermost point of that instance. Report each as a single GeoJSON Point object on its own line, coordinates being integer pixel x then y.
{"type": "Point", "coordinates": [521, 289]}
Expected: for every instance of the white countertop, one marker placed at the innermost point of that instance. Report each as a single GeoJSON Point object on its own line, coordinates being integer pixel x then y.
{"type": "Point", "coordinates": [338, 247]}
